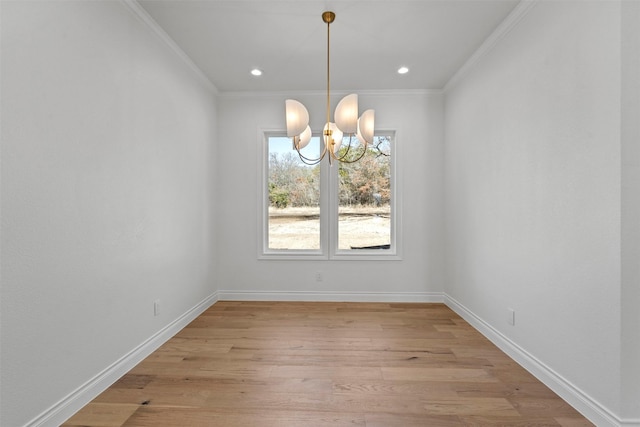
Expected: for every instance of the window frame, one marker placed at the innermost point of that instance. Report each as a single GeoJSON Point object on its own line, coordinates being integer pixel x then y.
{"type": "Point", "coordinates": [335, 252]}
{"type": "Point", "coordinates": [329, 205]}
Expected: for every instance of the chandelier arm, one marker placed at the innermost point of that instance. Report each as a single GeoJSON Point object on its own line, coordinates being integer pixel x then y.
{"type": "Point", "coordinates": [343, 158]}
{"type": "Point", "coordinates": [310, 162]}
{"type": "Point", "coordinates": [364, 151]}
{"type": "Point", "coordinates": [307, 160]}
{"type": "Point", "coordinates": [346, 152]}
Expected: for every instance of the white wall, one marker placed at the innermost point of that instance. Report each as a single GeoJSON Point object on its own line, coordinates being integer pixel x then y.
{"type": "Point", "coordinates": [109, 196]}
{"type": "Point", "coordinates": [630, 126]}
{"type": "Point", "coordinates": [417, 118]}
{"type": "Point", "coordinates": [533, 193]}
{"type": "Point", "coordinates": [107, 178]}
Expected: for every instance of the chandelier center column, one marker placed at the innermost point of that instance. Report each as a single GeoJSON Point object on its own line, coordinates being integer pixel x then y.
{"type": "Point", "coordinates": [328, 17]}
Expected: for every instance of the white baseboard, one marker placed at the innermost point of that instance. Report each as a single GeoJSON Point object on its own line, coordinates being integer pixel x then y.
{"type": "Point", "coordinates": [72, 403]}
{"type": "Point", "coordinates": [583, 403]}
{"type": "Point", "coordinates": [590, 408]}
{"type": "Point", "coordinates": [229, 295]}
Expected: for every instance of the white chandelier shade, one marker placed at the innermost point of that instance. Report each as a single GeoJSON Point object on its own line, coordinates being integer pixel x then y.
{"type": "Point", "coordinates": [346, 114]}
{"type": "Point", "coordinates": [365, 127]}
{"type": "Point", "coordinates": [304, 139]}
{"type": "Point", "coordinates": [346, 122]}
{"type": "Point", "coordinates": [297, 117]}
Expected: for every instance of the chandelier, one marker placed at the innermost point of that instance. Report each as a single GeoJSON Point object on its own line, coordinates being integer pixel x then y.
{"type": "Point", "coordinates": [346, 125]}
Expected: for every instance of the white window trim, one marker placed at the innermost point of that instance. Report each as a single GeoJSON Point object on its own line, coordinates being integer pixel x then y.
{"type": "Point", "coordinates": [394, 252]}
{"type": "Point", "coordinates": [328, 208]}
{"type": "Point", "coordinates": [263, 209]}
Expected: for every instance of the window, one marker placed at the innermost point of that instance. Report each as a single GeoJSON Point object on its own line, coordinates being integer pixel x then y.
{"type": "Point", "coordinates": [293, 196]}
{"type": "Point", "coordinates": [364, 199]}
{"type": "Point", "coordinates": [342, 211]}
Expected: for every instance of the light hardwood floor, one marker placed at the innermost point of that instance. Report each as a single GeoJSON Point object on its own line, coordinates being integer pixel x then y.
{"type": "Point", "coordinates": [328, 364]}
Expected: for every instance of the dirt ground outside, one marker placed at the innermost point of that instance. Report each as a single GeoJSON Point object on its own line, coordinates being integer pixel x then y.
{"type": "Point", "coordinates": [299, 228]}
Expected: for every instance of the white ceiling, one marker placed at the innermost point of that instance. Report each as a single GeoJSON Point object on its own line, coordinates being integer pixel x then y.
{"type": "Point", "coordinates": [370, 40]}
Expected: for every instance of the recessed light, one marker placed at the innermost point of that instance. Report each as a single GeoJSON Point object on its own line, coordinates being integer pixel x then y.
{"type": "Point", "coordinates": [403, 70]}
{"type": "Point", "coordinates": [256, 72]}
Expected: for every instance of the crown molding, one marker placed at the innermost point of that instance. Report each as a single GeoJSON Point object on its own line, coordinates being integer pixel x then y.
{"type": "Point", "coordinates": [373, 92]}
{"type": "Point", "coordinates": [501, 30]}
{"type": "Point", "coordinates": [146, 19]}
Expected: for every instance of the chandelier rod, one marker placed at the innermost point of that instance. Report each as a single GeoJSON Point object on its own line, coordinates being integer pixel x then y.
{"type": "Point", "coordinates": [328, 73]}
{"type": "Point", "coordinates": [328, 17]}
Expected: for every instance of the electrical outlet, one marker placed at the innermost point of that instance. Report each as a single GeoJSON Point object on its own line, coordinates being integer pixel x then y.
{"type": "Point", "coordinates": [511, 316]}
{"type": "Point", "coordinates": [319, 276]}
{"type": "Point", "coordinates": [156, 307]}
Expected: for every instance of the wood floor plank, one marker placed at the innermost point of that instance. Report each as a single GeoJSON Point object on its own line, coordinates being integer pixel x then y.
{"type": "Point", "coordinates": [422, 389]}
{"type": "Point", "coordinates": [103, 415]}
{"type": "Point", "coordinates": [493, 406]}
{"type": "Point", "coordinates": [530, 406]}
{"type": "Point", "coordinates": [410, 420]}
{"type": "Point", "coordinates": [489, 420]}
{"type": "Point", "coordinates": [503, 389]}
{"type": "Point", "coordinates": [327, 364]}
{"type": "Point", "coordinates": [436, 374]}
{"type": "Point", "coordinates": [154, 417]}
{"type": "Point", "coordinates": [333, 372]}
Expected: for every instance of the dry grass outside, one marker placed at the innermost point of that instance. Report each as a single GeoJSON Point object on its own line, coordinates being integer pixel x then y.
{"type": "Point", "coordinates": [299, 227]}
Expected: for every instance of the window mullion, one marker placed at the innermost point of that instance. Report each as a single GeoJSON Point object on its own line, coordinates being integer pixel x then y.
{"type": "Point", "coordinates": [333, 208]}
{"type": "Point", "coordinates": [326, 241]}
